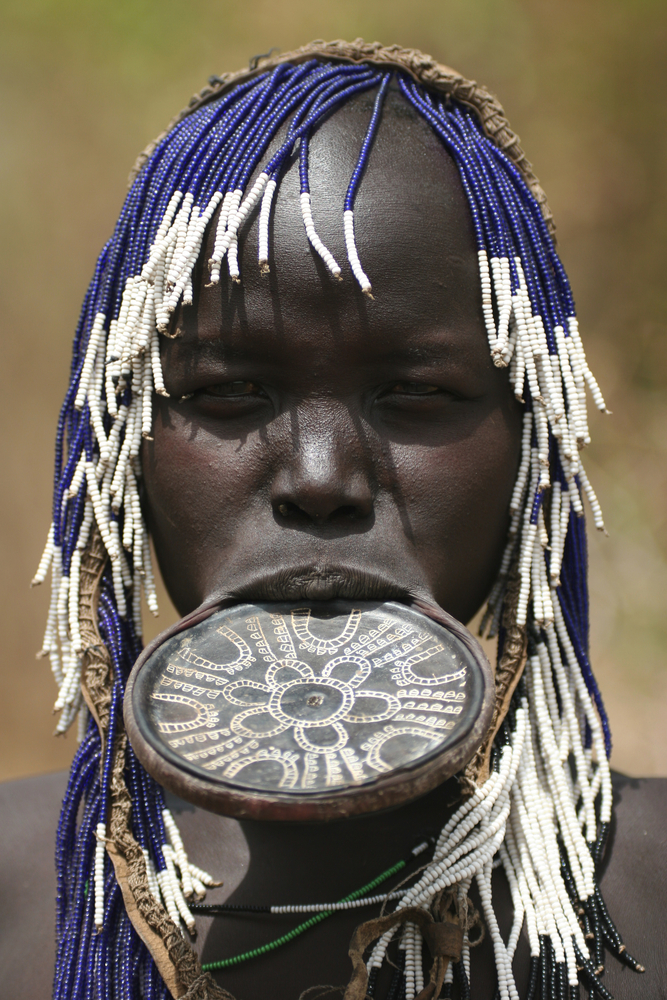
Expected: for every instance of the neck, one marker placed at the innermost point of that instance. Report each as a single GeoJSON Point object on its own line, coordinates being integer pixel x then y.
{"type": "Point", "coordinates": [278, 863]}
{"type": "Point", "coordinates": [322, 862]}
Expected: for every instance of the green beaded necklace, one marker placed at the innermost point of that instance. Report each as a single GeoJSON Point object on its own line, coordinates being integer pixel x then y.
{"type": "Point", "coordinates": [225, 963]}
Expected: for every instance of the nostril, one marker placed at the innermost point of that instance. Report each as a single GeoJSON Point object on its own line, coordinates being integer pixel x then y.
{"type": "Point", "coordinates": [292, 511]}
{"type": "Point", "coordinates": [287, 509]}
{"type": "Point", "coordinates": [346, 512]}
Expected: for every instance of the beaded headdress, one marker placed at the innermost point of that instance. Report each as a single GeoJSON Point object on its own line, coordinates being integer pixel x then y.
{"type": "Point", "coordinates": [538, 792]}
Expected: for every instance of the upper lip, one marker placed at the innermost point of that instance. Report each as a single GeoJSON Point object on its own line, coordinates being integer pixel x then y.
{"type": "Point", "coordinates": [321, 583]}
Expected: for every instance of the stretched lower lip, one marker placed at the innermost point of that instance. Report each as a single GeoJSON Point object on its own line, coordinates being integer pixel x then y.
{"type": "Point", "coordinates": [322, 584]}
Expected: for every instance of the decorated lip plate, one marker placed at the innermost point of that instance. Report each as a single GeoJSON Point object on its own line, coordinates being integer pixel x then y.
{"type": "Point", "coordinates": [308, 710]}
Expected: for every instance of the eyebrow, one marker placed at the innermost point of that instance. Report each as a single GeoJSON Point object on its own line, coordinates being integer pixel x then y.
{"type": "Point", "coordinates": [421, 353]}
{"type": "Point", "coordinates": [215, 350]}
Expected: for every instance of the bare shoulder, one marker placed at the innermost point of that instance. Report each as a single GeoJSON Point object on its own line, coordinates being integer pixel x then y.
{"type": "Point", "coordinates": [29, 812]}
{"type": "Point", "coordinates": [634, 885]}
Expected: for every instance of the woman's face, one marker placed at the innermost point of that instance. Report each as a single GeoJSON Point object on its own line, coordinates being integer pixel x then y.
{"type": "Point", "coordinates": [332, 445]}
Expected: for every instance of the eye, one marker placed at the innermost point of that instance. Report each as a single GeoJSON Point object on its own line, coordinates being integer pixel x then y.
{"type": "Point", "coordinates": [414, 389]}
{"type": "Point", "coordinates": [230, 389]}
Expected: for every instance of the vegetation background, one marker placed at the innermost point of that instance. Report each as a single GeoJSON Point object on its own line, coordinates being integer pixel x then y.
{"type": "Point", "coordinates": [85, 84]}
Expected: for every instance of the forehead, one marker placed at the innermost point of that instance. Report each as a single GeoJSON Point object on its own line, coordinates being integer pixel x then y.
{"type": "Point", "coordinates": [413, 231]}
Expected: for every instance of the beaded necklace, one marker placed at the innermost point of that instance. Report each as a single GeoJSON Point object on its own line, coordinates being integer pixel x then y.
{"type": "Point", "coordinates": [545, 805]}
{"type": "Point", "coordinates": [322, 911]}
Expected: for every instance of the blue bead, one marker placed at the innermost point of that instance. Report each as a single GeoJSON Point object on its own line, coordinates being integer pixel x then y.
{"type": "Point", "coordinates": [367, 143]}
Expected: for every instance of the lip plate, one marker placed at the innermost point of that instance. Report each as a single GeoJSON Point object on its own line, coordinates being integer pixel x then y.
{"type": "Point", "coordinates": [388, 790]}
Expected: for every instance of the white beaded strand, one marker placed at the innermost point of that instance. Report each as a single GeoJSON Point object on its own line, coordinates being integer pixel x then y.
{"type": "Point", "coordinates": [351, 904]}
{"type": "Point", "coordinates": [179, 852]}
{"type": "Point", "coordinates": [98, 875]}
{"type": "Point", "coordinates": [96, 334]}
{"type": "Point", "coordinates": [237, 217]}
{"type": "Point", "coordinates": [233, 261]}
{"type": "Point", "coordinates": [45, 561]}
{"type": "Point", "coordinates": [506, 985]}
{"type": "Point", "coordinates": [353, 256]}
{"type": "Point", "coordinates": [167, 884]}
{"type": "Point", "coordinates": [487, 298]}
{"type": "Point", "coordinates": [264, 219]}
{"type": "Point", "coordinates": [315, 241]}
{"type": "Point", "coordinates": [500, 269]}
{"type": "Point", "coordinates": [177, 877]}
{"type": "Point", "coordinates": [230, 203]}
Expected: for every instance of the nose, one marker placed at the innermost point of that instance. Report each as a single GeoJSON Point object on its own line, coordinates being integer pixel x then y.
{"type": "Point", "coordinates": [326, 479]}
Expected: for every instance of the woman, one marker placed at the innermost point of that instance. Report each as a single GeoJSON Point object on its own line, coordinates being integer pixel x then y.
{"type": "Point", "coordinates": [331, 353]}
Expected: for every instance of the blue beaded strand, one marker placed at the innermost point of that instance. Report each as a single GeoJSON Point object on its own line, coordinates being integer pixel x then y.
{"type": "Point", "coordinates": [495, 190]}
{"type": "Point", "coordinates": [366, 145]}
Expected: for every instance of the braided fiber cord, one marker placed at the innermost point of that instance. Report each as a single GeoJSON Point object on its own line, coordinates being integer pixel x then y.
{"type": "Point", "coordinates": [510, 666]}
{"type": "Point", "coordinates": [177, 962]}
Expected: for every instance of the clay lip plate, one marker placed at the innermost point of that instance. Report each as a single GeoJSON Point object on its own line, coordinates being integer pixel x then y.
{"type": "Point", "coordinates": [306, 709]}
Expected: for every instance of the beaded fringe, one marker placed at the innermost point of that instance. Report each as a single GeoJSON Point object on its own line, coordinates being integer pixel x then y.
{"type": "Point", "coordinates": [536, 814]}
{"type": "Point", "coordinates": [548, 797]}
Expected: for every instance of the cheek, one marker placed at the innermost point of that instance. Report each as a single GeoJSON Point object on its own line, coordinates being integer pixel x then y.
{"type": "Point", "coordinates": [198, 485]}
{"type": "Point", "coordinates": [443, 508]}
{"type": "Point", "coordinates": [455, 500]}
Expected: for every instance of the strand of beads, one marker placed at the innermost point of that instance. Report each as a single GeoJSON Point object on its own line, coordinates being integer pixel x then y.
{"type": "Point", "coordinates": [348, 210]}
{"type": "Point", "coordinates": [329, 85]}
{"type": "Point", "coordinates": [536, 333]}
{"type": "Point", "coordinates": [317, 111]}
{"type": "Point", "coordinates": [98, 875]}
{"type": "Point", "coordinates": [307, 214]}
{"type": "Point", "coordinates": [353, 904]}
{"type": "Point", "coordinates": [466, 844]}
{"type": "Point", "coordinates": [322, 94]}
{"type": "Point", "coordinates": [306, 925]}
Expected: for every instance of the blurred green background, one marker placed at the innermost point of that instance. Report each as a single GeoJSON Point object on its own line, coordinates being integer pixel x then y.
{"type": "Point", "coordinates": [85, 85]}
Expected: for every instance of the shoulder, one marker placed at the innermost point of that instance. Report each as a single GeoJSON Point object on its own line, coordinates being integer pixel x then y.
{"type": "Point", "coordinates": [634, 885]}
{"type": "Point", "coordinates": [29, 812]}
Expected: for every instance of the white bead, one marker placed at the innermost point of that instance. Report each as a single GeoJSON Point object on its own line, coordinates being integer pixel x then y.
{"type": "Point", "coordinates": [96, 335]}
{"type": "Point", "coordinates": [45, 561]}
{"type": "Point", "coordinates": [264, 218]}
{"type": "Point", "coordinates": [98, 875]}
{"type": "Point", "coordinates": [353, 256]}
{"type": "Point", "coordinates": [315, 241]}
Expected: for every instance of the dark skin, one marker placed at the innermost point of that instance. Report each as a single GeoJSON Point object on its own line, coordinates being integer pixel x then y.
{"type": "Point", "coordinates": [335, 446]}
{"type": "Point", "coordinates": [329, 436]}
{"type": "Point", "coordinates": [251, 859]}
